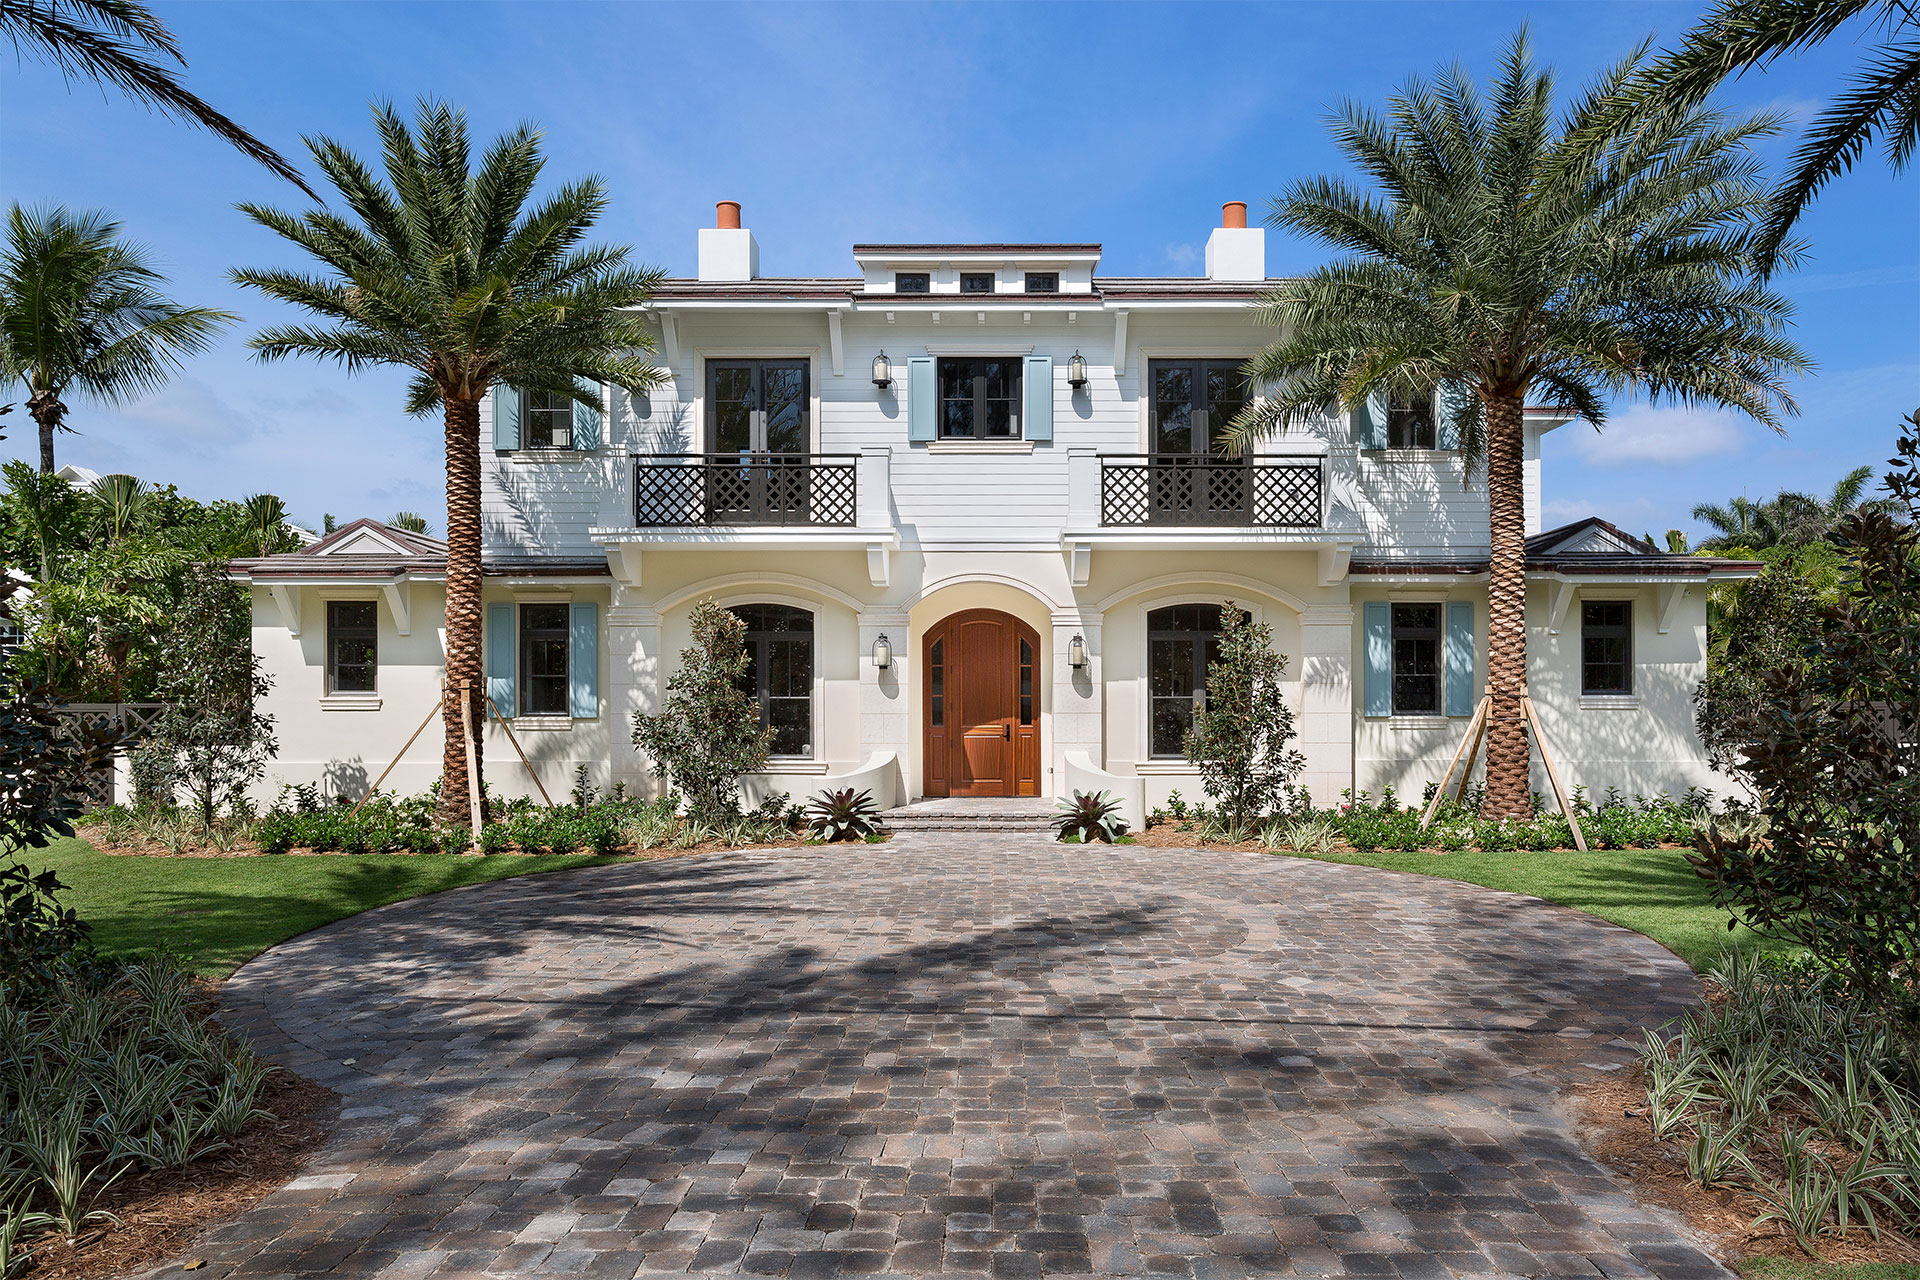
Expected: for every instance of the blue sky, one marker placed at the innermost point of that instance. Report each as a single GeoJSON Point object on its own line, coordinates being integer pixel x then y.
{"type": "Point", "coordinates": [1126, 124]}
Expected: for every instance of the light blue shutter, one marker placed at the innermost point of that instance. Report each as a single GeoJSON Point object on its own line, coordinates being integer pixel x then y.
{"type": "Point", "coordinates": [506, 418]}
{"type": "Point", "coordinates": [923, 399]}
{"type": "Point", "coordinates": [586, 420]}
{"type": "Point", "coordinates": [500, 682]}
{"type": "Point", "coordinates": [583, 661]}
{"type": "Point", "coordinates": [1039, 407]}
{"type": "Point", "coordinates": [1459, 663]}
{"type": "Point", "coordinates": [1370, 422]}
{"type": "Point", "coordinates": [1455, 405]}
{"type": "Point", "coordinates": [1378, 651]}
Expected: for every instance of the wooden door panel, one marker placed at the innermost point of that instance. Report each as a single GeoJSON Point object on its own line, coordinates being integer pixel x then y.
{"type": "Point", "coordinates": [976, 743]}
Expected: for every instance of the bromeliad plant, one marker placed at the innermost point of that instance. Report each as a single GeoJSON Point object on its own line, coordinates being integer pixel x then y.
{"type": "Point", "coordinates": [1087, 816]}
{"type": "Point", "coordinates": [843, 814]}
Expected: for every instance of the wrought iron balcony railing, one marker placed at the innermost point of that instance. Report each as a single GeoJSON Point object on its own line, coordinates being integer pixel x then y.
{"type": "Point", "coordinates": [746, 488]}
{"type": "Point", "coordinates": [1183, 489]}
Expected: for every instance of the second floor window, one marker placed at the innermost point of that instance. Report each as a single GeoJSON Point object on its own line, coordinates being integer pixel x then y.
{"type": "Point", "coordinates": [1183, 642]}
{"type": "Point", "coordinates": [757, 406]}
{"type": "Point", "coordinates": [1416, 659]}
{"type": "Point", "coordinates": [1606, 646]}
{"type": "Point", "coordinates": [1410, 422]}
{"type": "Point", "coordinates": [912, 282]}
{"type": "Point", "coordinates": [543, 660]}
{"type": "Point", "coordinates": [980, 398]}
{"type": "Point", "coordinates": [1043, 282]}
{"type": "Point", "coordinates": [976, 282]}
{"type": "Point", "coordinates": [549, 421]}
{"type": "Point", "coordinates": [352, 645]}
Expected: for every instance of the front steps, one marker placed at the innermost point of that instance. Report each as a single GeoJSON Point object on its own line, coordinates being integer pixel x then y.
{"type": "Point", "coordinates": [985, 814]}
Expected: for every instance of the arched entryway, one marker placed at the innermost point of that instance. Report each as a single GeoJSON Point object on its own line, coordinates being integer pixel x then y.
{"type": "Point", "coordinates": [982, 706]}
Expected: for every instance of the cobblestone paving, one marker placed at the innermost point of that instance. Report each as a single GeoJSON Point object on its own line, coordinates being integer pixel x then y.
{"type": "Point", "coordinates": [956, 1054]}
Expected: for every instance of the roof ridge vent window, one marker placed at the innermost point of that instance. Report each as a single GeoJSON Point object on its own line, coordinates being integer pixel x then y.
{"type": "Point", "coordinates": [1043, 282]}
{"type": "Point", "coordinates": [976, 282]}
{"type": "Point", "coordinates": [912, 282]}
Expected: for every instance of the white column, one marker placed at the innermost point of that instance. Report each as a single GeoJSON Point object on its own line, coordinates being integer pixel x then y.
{"type": "Point", "coordinates": [1079, 721]}
{"type": "Point", "coordinates": [886, 697]}
{"type": "Point", "coordinates": [633, 673]}
{"type": "Point", "coordinates": [1326, 713]}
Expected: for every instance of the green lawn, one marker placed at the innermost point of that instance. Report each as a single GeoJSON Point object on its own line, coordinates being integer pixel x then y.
{"type": "Point", "coordinates": [1651, 891]}
{"type": "Point", "coordinates": [221, 912]}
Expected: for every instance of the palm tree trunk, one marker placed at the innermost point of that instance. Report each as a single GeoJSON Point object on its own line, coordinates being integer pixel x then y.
{"type": "Point", "coordinates": [1509, 762]}
{"type": "Point", "coordinates": [464, 631]}
{"type": "Point", "coordinates": [47, 411]}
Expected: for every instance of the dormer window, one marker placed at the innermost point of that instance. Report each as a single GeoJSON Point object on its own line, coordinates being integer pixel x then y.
{"type": "Point", "coordinates": [1043, 282]}
{"type": "Point", "coordinates": [976, 282]}
{"type": "Point", "coordinates": [1411, 423]}
{"type": "Point", "coordinates": [912, 282]}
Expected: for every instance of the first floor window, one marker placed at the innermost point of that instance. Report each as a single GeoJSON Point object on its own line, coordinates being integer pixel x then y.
{"type": "Point", "coordinates": [1416, 659]}
{"type": "Point", "coordinates": [543, 660]}
{"type": "Point", "coordinates": [1183, 641]}
{"type": "Point", "coordinates": [549, 421]}
{"type": "Point", "coordinates": [779, 673]}
{"type": "Point", "coordinates": [352, 645]}
{"type": "Point", "coordinates": [980, 398]}
{"type": "Point", "coordinates": [1410, 422]}
{"type": "Point", "coordinates": [1606, 646]}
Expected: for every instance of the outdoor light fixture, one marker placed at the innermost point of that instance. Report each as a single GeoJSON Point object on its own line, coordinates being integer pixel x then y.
{"type": "Point", "coordinates": [1077, 371]}
{"type": "Point", "coordinates": [1077, 653]}
{"type": "Point", "coordinates": [882, 371]}
{"type": "Point", "coordinates": [882, 650]}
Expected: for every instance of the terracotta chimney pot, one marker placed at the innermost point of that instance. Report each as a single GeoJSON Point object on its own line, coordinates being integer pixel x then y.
{"type": "Point", "coordinates": [1232, 214]}
{"type": "Point", "coordinates": [727, 215]}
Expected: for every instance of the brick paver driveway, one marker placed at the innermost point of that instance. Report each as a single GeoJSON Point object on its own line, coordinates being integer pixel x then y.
{"type": "Point", "coordinates": [957, 1054]}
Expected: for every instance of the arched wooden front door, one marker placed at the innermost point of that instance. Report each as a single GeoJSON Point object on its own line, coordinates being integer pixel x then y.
{"type": "Point", "coordinates": [982, 706]}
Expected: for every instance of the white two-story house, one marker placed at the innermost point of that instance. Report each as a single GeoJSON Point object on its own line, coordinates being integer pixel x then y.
{"type": "Point", "coordinates": [971, 504]}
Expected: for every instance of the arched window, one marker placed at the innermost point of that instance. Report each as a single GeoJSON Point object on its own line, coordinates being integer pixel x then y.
{"type": "Point", "coordinates": [1182, 642]}
{"type": "Point", "coordinates": [780, 672]}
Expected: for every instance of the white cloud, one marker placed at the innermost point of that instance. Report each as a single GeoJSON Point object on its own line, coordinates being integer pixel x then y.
{"type": "Point", "coordinates": [1641, 433]}
{"type": "Point", "coordinates": [1183, 255]}
{"type": "Point", "coordinates": [188, 409]}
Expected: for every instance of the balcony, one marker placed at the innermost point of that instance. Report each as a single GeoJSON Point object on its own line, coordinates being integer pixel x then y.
{"type": "Point", "coordinates": [1187, 491]}
{"type": "Point", "coordinates": [681, 490]}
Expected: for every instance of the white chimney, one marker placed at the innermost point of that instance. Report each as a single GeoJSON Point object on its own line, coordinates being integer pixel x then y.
{"type": "Point", "coordinates": [1235, 251]}
{"type": "Point", "coordinates": [727, 250]}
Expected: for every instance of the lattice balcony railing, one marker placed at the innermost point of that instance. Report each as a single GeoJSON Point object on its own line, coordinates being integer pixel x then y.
{"type": "Point", "coordinates": [747, 488]}
{"type": "Point", "coordinates": [1174, 489]}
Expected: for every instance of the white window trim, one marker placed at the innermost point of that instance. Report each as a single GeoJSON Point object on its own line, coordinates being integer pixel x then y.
{"type": "Point", "coordinates": [1609, 702]}
{"type": "Point", "coordinates": [351, 701]}
{"type": "Point", "coordinates": [543, 723]}
{"type": "Point", "coordinates": [329, 700]}
{"type": "Point", "coordinates": [818, 729]}
{"type": "Point", "coordinates": [698, 401]}
{"type": "Point", "coordinates": [1021, 446]}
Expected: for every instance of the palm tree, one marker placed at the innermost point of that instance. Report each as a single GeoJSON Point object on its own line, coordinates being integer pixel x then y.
{"type": "Point", "coordinates": [447, 272]}
{"type": "Point", "coordinates": [1503, 254]}
{"type": "Point", "coordinates": [113, 42]}
{"type": "Point", "coordinates": [81, 309]}
{"type": "Point", "coordinates": [118, 501]}
{"type": "Point", "coordinates": [266, 521]}
{"type": "Point", "coordinates": [1789, 518]}
{"type": "Point", "coordinates": [1881, 99]}
{"type": "Point", "coordinates": [411, 521]}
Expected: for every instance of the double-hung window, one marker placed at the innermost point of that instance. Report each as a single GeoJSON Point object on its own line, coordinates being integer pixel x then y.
{"type": "Point", "coordinates": [979, 398]}
{"type": "Point", "coordinates": [549, 421]}
{"type": "Point", "coordinates": [1183, 642]}
{"type": "Point", "coordinates": [1606, 647]}
{"type": "Point", "coordinates": [779, 673]}
{"type": "Point", "coordinates": [1411, 423]}
{"type": "Point", "coordinates": [1416, 659]}
{"type": "Point", "coordinates": [543, 660]}
{"type": "Point", "coordinates": [352, 646]}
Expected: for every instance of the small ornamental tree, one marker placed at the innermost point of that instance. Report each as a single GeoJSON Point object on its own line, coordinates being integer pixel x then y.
{"type": "Point", "coordinates": [1766, 629]}
{"type": "Point", "coordinates": [708, 732]}
{"type": "Point", "coordinates": [1834, 751]}
{"type": "Point", "coordinates": [1239, 736]}
{"type": "Point", "coordinates": [212, 741]}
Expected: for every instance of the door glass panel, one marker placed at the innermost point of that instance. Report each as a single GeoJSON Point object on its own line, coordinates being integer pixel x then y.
{"type": "Point", "coordinates": [1226, 397]}
{"type": "Point", "coordinates": [937, 681]}
{"type": "Point", "coordinates": [1173, 409]}
{"type": "Point", "coordinates": [732, 429]}
{"type": "Point", "coordinates": [785, 388]}
{"type": "Point", "coordinates": [1026, 681]}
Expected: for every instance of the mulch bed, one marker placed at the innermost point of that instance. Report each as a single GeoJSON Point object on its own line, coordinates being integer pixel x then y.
{"type": "Point", "coordinates": [1610, 1113]}
{"type": "Point", "coordinates": [162, 1211]}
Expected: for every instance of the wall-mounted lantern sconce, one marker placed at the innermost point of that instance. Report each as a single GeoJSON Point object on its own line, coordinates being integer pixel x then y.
{"type": "Point", "coordinates": [1077, 371]}
{"type": "Point", "coordinates": [882, 371]}
{"type": "Point", "coordinates": [1077, 653]}
{"type": "Point", "coordinates": [882, 652]}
